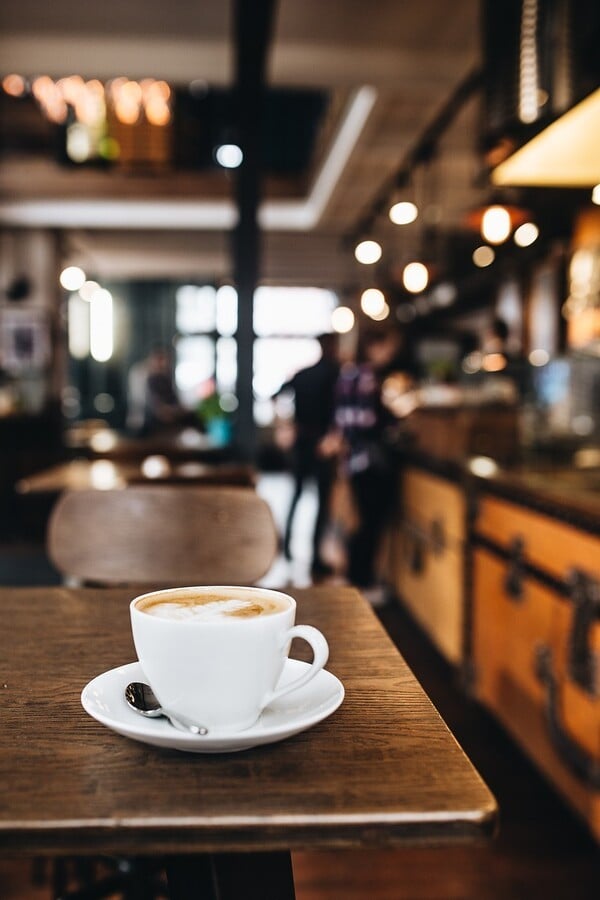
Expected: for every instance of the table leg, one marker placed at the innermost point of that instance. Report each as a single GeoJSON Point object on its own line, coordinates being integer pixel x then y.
{"type": "Point", "coordinates": [231, 876]}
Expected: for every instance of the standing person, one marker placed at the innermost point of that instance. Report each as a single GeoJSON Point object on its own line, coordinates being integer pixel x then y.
{"type": "Point", "coordinates": [313, 389]}
{"type": "Point", "coordinates": [162, 407]}
{"type": "Point", "coordinates": [362, 422]}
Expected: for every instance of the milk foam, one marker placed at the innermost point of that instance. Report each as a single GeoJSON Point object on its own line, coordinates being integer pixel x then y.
{"type": "Point", "coordinates": [209, 611]}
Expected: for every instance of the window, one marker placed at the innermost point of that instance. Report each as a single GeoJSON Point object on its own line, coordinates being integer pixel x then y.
{"type": "Point", "coordinates": [287, 321]}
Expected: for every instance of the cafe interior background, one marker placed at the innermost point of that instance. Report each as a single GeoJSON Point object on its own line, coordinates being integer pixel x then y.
{"type": "Point", "coordinates": [461, 140]}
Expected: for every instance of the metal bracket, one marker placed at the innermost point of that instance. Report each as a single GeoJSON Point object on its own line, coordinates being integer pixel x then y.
{"type": "Point", "coordinates": [581, 660]}
{"type": "Point", "coordinates": [581, 764]}
{"type": "Point", "coordinates": [513, 583]}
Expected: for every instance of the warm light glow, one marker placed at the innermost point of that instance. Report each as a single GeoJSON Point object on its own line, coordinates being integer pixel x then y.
{"type": "Point", "coordinates": [229, 156]}
{"type": "Point", "coordinates": [372, 302]}
{"type": "Point", "coordinates": [101, 325]}
{"type": "Point", "coordinates": [382, 314]}
{"type": "Point", "coordinates": [529, 62]}
{"type": "Point", "coordinates": [72, 278]}
{"type": "Point", "coordinates": [596, 195]}
{"type": "Point", "coordinates": [403, 213]}
{"type": "Point", "coordinates": [102, 441]}
{"type": "Point", "coordinates": [483, 466]}
{"type": "Point", "coordinates": [104, 475]}
{"type": "Point", "coordinates": [368, 252]}
{"type": "Point", "coordinates": [415, 277]}
{"type": "Point", "coordinates": [14, 85]}
{"type": "Point", "coordinates": [155, 466]}
{"type": "Point", "coordinates": [526, 234]}
{"type": "Point", "coordinates": [127, 112]}
{"type": "Point", "coordinates": [565, 154]}
{"type": "Point", "coordinates": [539, 357]}
{"type": "Point", "coordinates": [342, 319]}
{"type": "Point", "coordinates": [495, 224]}
{"type": "Point", "coordinates": [493, 362]}
{"type": "Point", "coordinates": [155, 96]}
{"type": "Point", "coordinates": [483, 256]}
{"type": "Point", "coordinates": [157, 112]}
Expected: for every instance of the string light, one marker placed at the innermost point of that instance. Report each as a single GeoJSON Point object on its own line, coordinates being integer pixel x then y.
{"type": "Point", "coordinates": [526, 234]}
{"type": "Point", "coordinates": [368, 252]}
{"type": "Point", "coordinates": [415, 277]}
{"type": "Point", "coordinates": [483, 256]}
{"type": "Point", "coordinates": [342, 319]}
{"type": "Point", "coordinates": [495, 224]}
{"type": "Point", "coordinates": [372, 302]}
{"type": "Point", "coordinates": [403, 213]}
{"type": "Point", "coordinates": [72, 278]}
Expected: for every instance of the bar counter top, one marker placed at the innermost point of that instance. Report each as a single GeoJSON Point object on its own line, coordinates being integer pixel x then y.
{"type": "Point", "coordinates": [561, 490]}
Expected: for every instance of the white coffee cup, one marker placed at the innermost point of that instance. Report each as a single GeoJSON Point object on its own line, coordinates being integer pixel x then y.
{"type": "Point", "coordinates": [212, 659]}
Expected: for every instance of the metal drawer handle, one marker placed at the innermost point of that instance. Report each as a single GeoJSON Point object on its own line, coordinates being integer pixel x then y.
{"type": "Point", "coordinates": [582, 661]}
{"type": "Point", "coordinates": [580, 763]}
{"type": "Point", "coordinates": [438, 537]}
{"type": "Point", "coordinates": [416, 549]}
{"type": "Point", "coordinates": [513, 583]}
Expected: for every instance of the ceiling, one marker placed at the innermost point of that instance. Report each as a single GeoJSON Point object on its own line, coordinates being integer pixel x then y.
{"type": "Point", "coordinates": [388, 68]}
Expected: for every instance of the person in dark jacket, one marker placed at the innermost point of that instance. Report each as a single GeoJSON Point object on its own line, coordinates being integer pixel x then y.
{"type": "Point", "coordinates": [313, 390]}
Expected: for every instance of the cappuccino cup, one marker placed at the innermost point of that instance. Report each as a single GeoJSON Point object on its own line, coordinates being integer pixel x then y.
{"type": "Point", "coordinates": [213, 655]}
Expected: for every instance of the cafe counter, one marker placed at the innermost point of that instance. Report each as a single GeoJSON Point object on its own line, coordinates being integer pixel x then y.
{"type": "Point", "coordinates": [501, 568]}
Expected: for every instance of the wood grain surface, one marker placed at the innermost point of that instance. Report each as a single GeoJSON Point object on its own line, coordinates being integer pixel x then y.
{"type": "Point", "coordinates": [103, 474]}
{"type": "Point", "coordinates": [168, 534]}
{"type": "Point", "coordinates": [383, 770]}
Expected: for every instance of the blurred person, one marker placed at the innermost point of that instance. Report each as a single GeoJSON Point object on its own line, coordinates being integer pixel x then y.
{"type": "Point", "coordinates": [152, 393]}
{"type": "Point", "coordinates": [313, 389]}
{"type": "Point", "coordinates": [363, 425]}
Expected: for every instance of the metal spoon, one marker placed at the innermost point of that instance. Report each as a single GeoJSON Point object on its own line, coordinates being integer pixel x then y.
{"type": "Point", "coordinates": [140, 696]}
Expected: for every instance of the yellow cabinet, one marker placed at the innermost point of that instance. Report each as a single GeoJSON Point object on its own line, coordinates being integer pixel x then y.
{"type": "Point", "coordinates": [536, 642]}
{"type": "Point", "coordinates": [428, 558]}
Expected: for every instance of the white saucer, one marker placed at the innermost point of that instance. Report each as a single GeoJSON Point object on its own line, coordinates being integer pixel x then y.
{"type": "Point", "coordinates": [103, 698]}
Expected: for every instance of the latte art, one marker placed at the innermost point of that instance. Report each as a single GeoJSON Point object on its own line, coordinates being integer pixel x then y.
{"type": "Point", "coordinates": [209, 608]}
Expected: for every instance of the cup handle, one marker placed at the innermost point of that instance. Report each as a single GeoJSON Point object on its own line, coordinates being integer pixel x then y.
{"type": "Point", "coordinates": [320, 650]}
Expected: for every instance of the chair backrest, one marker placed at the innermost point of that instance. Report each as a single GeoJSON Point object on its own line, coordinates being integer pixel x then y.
{"type": "Point", "coordinates": [162, 535]}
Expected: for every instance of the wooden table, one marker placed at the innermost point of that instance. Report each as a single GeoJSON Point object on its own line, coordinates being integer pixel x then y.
{"type": "Point", "coordinates": [383, 770]}
{"type": "Point", "coordinates": [107, 474]}
{"type": "Point", "coordinates": [177, 443]}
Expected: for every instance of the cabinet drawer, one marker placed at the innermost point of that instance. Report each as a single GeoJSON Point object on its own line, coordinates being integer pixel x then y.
{"type": "Point", "coordinates": [430, 582]}
{"type": "Point", "coordinates": [434, 502]}
{"type": "Point", "coordinates": [548, 544]}
{"type": "Point", "coordinates": [523, 655]}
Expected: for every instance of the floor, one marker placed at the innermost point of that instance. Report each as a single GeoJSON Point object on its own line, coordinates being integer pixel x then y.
{"type": "Point", "coordinates": [542, 852]}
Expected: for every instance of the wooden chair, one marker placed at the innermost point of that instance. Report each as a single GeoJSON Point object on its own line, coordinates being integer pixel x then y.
{"type": "Point", "coordinates": [153, 536]}
{"type": "Point", "coordinates": [168, 534]}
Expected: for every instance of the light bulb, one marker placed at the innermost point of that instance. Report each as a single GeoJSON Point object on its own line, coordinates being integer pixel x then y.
{"type": "Point", "coordinates": [403, 213]}
{"type": "Point", "coordinates": [526, 234]}
{"type": "Point", "coordinates": [415, 277]}
{"type": "Point", "coordinates": [483, 256]}
{"type": "Point", "coordinates": [368, 252]}
{"type": "Point", "coordinates": [72, 278]}
{"type": "Point", "coordinates": [342, 319]}
{"type": "Point", "coordinates": [372, 302]}
{"type": "Point", "coordinates": [495, 224]}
